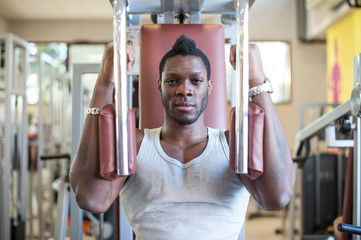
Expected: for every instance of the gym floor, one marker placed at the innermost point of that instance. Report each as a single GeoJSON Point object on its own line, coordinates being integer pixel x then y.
{"type": "Point", "coordinates": [264, 224]}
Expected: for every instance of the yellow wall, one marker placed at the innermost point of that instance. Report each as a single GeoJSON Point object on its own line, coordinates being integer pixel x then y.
{"type": "Point", "coordinates": [346, 35]}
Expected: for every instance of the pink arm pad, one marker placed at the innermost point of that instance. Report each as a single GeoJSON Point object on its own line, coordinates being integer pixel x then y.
{"type": "Point", "coordinates": [255, 140]}
{"type": "Point", "coordinates": [107, 142]}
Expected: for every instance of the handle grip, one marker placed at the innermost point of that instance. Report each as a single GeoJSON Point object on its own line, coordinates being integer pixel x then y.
{"type": "Point", "coordinates": [242, 87]}
{"type": "Point", "coordinates": [347, 228]}
{"type": "Point", "coordinates": [120, 78]}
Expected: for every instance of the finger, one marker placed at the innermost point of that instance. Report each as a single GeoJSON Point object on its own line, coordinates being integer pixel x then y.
{"type": "Point", "coordinates": [130, 57]}
{"type": "Point", "coordinates": [130, 61]}
{"type": "Point", "coordinates": [106, 70]}
{"type": "Point", "coordinates": [232, 56]}
{"type": "Point", "coordinates": [256, 74]}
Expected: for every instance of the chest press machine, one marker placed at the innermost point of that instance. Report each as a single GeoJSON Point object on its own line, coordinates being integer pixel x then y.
{"type": "Point", "coordinates": [156, 40]}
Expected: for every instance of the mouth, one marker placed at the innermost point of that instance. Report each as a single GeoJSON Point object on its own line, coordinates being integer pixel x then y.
{"type": "Point", "coordinates": [184, 106]}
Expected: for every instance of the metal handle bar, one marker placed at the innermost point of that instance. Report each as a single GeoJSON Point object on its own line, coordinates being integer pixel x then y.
{"type": "Point", "coordinates": [55, 156]}
{"type": "Point", "coordinates": [120, 78]}
{"type": "Point", "coordinates": [347, 228]}
{"type": "Point", "coordinates": [242, 76]}
{"type": "Point", "coordinates": [242, 87]}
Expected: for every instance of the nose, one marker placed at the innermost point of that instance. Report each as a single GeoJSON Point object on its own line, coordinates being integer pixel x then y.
{"type": "Point", "coordinates": [185, 89]}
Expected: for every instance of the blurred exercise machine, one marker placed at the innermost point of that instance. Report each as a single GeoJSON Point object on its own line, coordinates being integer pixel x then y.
{"type": "Point", "coordinates": [27, 199]}
{"type": "Point", "coordinates": [13, 136]}
{"type": "Point", "coordinates": [350, 112]}
{"type": "Point", "coordinates": [52, 137]}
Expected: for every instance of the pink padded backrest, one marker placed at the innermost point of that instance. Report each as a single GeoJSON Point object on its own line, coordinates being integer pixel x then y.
{"type": "Point", "coordinates": [156, 40]}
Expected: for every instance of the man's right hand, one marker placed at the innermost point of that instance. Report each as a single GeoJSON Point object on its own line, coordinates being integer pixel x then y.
{"type": "Point", "coordinates": [104, 88]}
{"type": "Point", "coordinates": [107, 70]}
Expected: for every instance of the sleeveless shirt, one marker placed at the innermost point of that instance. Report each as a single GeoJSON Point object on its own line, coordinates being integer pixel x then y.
{"type": "Point", "coordinates": [201, 199]}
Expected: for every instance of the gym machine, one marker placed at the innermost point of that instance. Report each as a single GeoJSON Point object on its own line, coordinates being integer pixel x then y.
{"type": "Point", "coordinates": [349, 109]}
{"type": "Point", "coordinates": [13, 136]}
{"type": "Point", "coordinates": [240, 9]}
{"type": "Point", "coordinates": [168, 11]}
{"type": "Point", "coordinates": [53, 137]}
{"type": "Point", "coordinates": [45, 145]}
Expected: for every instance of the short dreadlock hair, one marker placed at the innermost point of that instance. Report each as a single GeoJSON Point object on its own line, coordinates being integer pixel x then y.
{"type": "Point", "coordinates": [186, 47]}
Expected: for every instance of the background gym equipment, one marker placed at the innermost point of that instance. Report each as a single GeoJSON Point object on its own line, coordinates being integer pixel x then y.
{"type": "Point", "coordinates": [341, 112]}
{"type": "Point", "coordinates": [50, 134]}
{"type": "Point", "coordinates": [51, 137]}
{"type": "Point", "coordinates": [46, 76]}
{"type": "Point", "coordinates": [13, 136]}
{"type": "Point", "coordinates": [62, 207]}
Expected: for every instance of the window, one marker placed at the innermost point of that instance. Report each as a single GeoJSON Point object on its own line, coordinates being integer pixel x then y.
{"type": "Point", "coordinates": [276, 60]}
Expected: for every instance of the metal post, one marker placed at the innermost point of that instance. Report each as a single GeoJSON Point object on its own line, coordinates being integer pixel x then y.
{"type": "Point", "coordinates": [5, 230]}
{"type": "Point", "coordinates": [24, 140]}
{"type": "Point", "coordinates": [292, 208]}
{"type": "Point", "coordinates": [62, 211]}
{"type": "Point", "coordinates": [45, 146]}
{"type": "Point", "coordinates": [339, 181]}
{"type": "Point", "coordinates": [40, 151]}
{"type": "Point", "coordinates": [2, 113]}
{"type": "Point", "coordinates": [120, 78]}
{"type": "Point", "coordinates": [31, 180]}
{"type": "Point", "coordinates": [242, 76]}
{"type": "Point", "coordinates": [168, 11]}
{"type": "Point", "coordinates": [1, 189]}
{"type": "Point", "coordinates": [14, 137]}
{"type": "Point", "coordinates": [357, 178]}
{"type": "Point", "coordinates": [357, 160]}
{"type": "Point", "coordinates": [126, 232]}
{"type": "Point", "coordinates": [76, 214]}
{"type": "Point", "coordinates": [50, 148]}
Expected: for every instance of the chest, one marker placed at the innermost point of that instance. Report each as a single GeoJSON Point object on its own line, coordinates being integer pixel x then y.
{"type": "Point", "coordinates": [184, 154]}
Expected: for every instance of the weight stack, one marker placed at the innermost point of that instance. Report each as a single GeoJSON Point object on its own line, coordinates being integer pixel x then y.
{"type": "Point", "coordinates": [321, 189]}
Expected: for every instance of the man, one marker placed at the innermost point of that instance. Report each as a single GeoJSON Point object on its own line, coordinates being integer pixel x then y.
{"type": "Point", "coordinates": [183, 187]}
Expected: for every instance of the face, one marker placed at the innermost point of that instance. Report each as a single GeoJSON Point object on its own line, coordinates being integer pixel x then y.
{"type": "Point", "coordinates": [184, 88]}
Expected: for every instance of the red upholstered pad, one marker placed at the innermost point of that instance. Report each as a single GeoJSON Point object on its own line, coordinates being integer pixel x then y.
{"type": "Point", "coordinates": [107, 143]}
{"type": "Point", "coordinates": [156, 40]}
{"type": "Point", "coordinates": [255, 140]}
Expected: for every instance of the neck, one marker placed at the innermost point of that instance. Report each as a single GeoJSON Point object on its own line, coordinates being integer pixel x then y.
{"type": "Point", "coordinates": [173, 131]}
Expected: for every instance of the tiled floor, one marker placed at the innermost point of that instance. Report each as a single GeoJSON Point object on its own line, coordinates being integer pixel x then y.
{"type": "Point", "coordinates": [264, 225]}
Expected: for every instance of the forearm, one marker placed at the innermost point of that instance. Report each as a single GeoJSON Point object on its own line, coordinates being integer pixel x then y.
{"type": "Point", "coordinates": [274, 189]}
{"type": "Point", "coordinates": [93, 193]}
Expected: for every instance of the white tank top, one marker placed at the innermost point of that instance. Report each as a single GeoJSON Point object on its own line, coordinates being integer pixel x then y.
{"type": "Point", "coordinates": [168, 200]}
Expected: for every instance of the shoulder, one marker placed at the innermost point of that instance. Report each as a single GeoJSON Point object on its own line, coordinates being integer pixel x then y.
{"type": "Point", "coordinates": [139, 137]}
{"type": "Point", "coordinates": [222, 133]}
{"type": "Point", "coordinates": [226, 134]}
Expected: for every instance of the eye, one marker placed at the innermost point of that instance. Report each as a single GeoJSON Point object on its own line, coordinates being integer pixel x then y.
{"type": "Point", "coordinates": [170, 81]}
{"type": "Point", "coordinates": [197, 81]}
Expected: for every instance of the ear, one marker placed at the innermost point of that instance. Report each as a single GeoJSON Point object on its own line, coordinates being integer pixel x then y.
{"type": "Point", "coordinates": [159, 85]}
{"type": "Point", "coordinates": [210, 86]}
